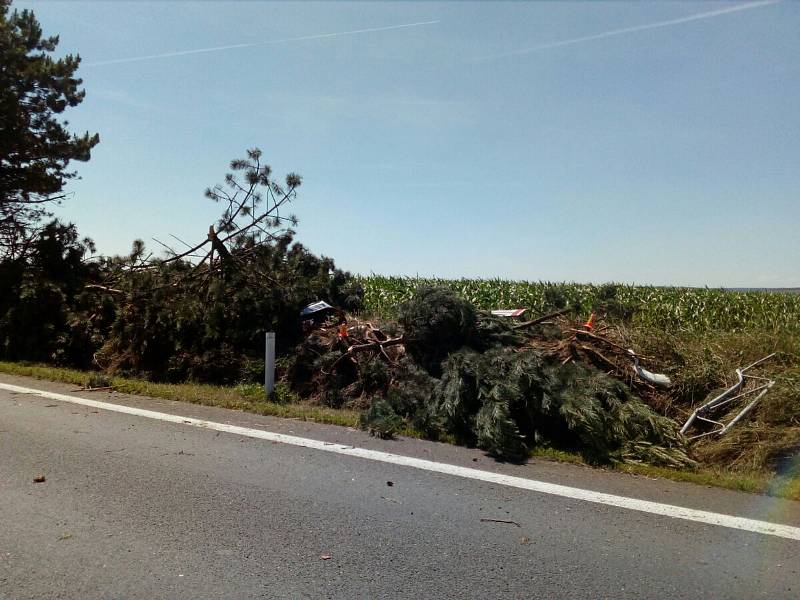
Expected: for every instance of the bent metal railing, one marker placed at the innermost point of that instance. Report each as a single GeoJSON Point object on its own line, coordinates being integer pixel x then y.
{"type": "Point", "coordinates": [730, 395]}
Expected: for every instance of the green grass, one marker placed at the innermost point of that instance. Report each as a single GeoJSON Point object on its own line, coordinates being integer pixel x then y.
{"type": "Point", "coordinates": [758, 482]}
{"type": "Point", "coordinates": [557, 456]}
{"type": "Point", "coordinates": [666, 308]}
{"type": "Point", "coordinates": [754, 482]}
{"type": "Point", "coordinates": [248, 398]}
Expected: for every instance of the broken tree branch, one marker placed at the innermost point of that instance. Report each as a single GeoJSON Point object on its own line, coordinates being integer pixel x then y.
{"type": "Point", "coordinates": [541, 319]}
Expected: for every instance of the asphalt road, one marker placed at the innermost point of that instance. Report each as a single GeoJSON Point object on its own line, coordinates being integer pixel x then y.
{"type": "Point", "coordinates": [137, 508]}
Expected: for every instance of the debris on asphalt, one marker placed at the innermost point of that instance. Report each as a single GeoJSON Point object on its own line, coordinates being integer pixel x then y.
{"type": "Point", "coordinates": [95, 389]}
{"type": "Point", "coordinates": [39, 479]}
{"type": "Point", "coordinates": [487, 520]}
{"type": "Point", "coordinates": [326, 557]}
{"type": "Point", "coordinates": [97, 382]}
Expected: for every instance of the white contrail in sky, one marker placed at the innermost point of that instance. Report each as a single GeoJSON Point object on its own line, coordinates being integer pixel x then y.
{"type": "Point", "coordinates": [318, 36]}
{"type": "Point", "coordinates": [614, 32]}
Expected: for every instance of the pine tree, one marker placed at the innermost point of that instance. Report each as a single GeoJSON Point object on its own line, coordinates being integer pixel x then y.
{"type": "Point", "coordinates": [35, 147]}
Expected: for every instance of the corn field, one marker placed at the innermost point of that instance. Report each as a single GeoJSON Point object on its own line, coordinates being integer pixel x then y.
{"type": "Point", "coordinates": [689, 309]}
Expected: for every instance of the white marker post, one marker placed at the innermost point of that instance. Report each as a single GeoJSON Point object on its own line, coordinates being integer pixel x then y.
{"type": "Point", "coordinates": [269, 364]}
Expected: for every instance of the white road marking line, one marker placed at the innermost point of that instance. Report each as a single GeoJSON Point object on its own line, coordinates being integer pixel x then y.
{"type": "Point", "coordinates": [646, 506]}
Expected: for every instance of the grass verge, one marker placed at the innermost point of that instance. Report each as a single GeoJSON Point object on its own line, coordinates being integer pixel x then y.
{"type": "Point", "coordinates": [250, 398]}
{"type": "Point", "coordinates": [755, 481]}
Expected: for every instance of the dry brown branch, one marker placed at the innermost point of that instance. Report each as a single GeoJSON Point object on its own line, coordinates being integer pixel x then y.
{"type": "Point", "coordinates": [376, 345]}
{"type": "Point", "coordinates": [541, 319]}
{"type": "Point", "coordinates": [356, 348]}
{"type": "Point", "coordinates": [599, 357]}
{"type": "Point", "coordinates": [589, 334]}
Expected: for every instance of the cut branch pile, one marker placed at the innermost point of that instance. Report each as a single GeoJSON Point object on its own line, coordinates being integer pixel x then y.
{"type": "Point", "coordinates": [337, 362]}
{"type": "Point", "coordinates": [601, 347]}
{"type": "Point", "coordinates": [453, 372]}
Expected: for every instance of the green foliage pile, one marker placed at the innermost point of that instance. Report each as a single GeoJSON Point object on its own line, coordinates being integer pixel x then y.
{"type": "Point", "coordinates": [507, 402]}
{"type": "Point", "coordinates": [381, 419]}
{"type": "Point", "coordinates": [667, 309]}
{"type": "Point", "coordinates": [436, 322]}
{"type": "Point", "coordinates": [507, 398]}
{"type": "Point", "coordinates": [467, 377]}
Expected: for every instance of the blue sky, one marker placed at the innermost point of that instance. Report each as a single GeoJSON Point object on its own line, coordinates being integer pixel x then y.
{"type": "Point", "coordinates": [577, 141]}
